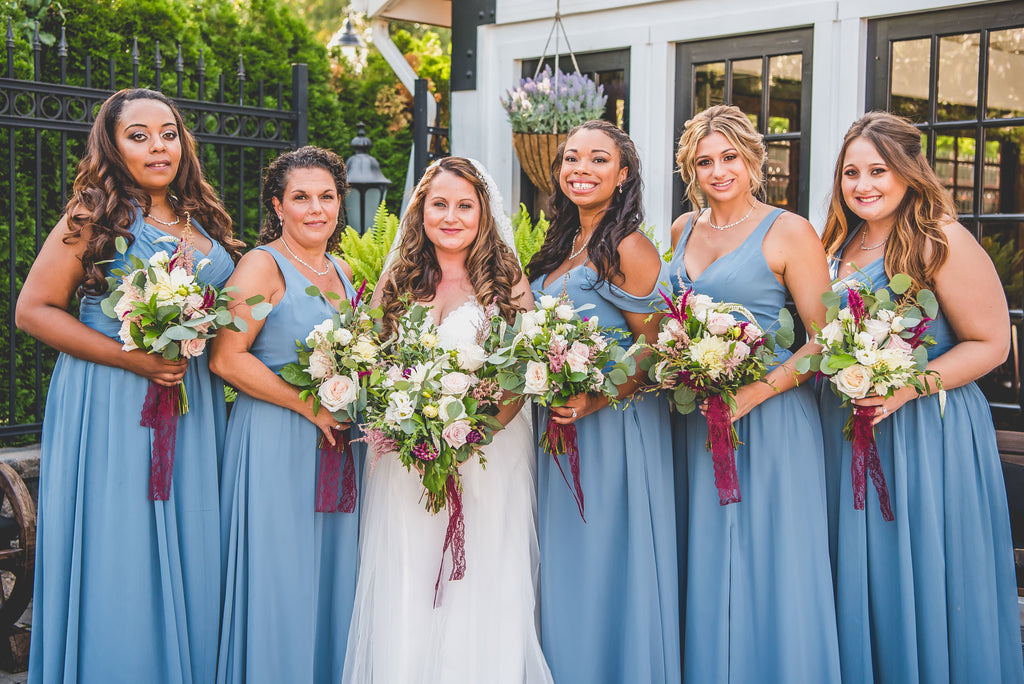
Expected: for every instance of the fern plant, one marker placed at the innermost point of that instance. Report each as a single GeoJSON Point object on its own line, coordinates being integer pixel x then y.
{"type": "Point", "coordinates": [366, 253]}
{"type": "Point", "coordinates": [528, 236]}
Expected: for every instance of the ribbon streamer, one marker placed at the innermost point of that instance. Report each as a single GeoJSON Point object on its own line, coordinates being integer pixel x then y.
{"type": "Point", "coordinates": [721, 442]}
{"type": "Point", "coordinates": [327, 500]}
{"type": "Point", "coordinates": [454, 538]}
{"type": "Point", "coordinates": [160, 412]}
{"type": "Point", "coordinates": [559, 440]}
{"type": "Point", "coordinates": [865, 460]}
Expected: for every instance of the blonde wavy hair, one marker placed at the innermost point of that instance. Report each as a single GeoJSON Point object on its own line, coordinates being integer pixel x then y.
{"type": "Point", "coordinates": [731, 122]}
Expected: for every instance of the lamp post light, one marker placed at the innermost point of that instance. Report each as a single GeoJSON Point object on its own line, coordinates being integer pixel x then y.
{"type": "Point", "coordinates": [350, 43]}
{"type": "Point", "coordinates": [368, 184]}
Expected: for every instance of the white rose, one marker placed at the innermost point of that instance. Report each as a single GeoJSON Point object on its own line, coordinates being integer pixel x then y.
{"type": "Point", "coordinates": [699, 305]}
{"type": "Point", "coordinates": [470, 356]}
{"type": "Point", "coordinates": [831, 333]}
{"type": "Point", "coordinates": [159, 258]}
{"type": "Point", "coordinates": [531, 326]}
{"type": "Point", "coordinates": [853, 381]}
{"type": "Point", "coordinates": [867, 357]}
{"type": "Point", "coordinates": [127, 301]}
{"type": "Point", "coordinates": [342, 336]}
{"type": "Point", "coordinates": [192, 348]}
{"type": "Point", "coordinates": [337, 392]}
{"type": "Point", "coordinates": [445, 405]}
{"type": "Point", "coordinates": [455, 383]}
{"type": "Point", "coordinates": [318, 335]}
{"type": "Point", "coordinates": [897, 324]}
{"type": "Point", "coordinates": [877, 329]}
{"type": "Point", "coordinates": [578, 357]}
{"type": "Point", "coordinates": [548, 302]}
{"type": "Point", "coordinates": [845, 314]}
{"type": "Point", "coordinates": [320, 365]}
{"type": "Point", "coordinates": [864, 340]}
{"type": "Point", "coordinates": [536, 378]}
{"type": "Point", "coordinates": [564, 312]}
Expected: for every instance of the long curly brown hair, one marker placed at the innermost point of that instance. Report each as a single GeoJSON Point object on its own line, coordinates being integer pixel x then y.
{"type": "Point", "coordinates": [276, 179]}
{"type": "Point", "coordinates": [624, 216]}
{"type": "Point", "coordinates": [492, 266]}
{"type": "Point", "coordinates": [106, 199]}
{"type": "Point", "coordinates": [917, 245]}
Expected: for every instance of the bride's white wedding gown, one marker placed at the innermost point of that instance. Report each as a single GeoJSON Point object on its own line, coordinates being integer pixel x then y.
{"type": "Point", "coordinates": [485, 629]}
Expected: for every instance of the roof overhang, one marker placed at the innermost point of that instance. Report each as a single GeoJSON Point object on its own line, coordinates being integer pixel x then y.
{"type": "Point", "coordinates": [433, 12]}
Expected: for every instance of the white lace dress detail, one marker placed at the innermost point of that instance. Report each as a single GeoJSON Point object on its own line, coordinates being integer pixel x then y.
{"type": "Point", "coordinates": [485, 628]}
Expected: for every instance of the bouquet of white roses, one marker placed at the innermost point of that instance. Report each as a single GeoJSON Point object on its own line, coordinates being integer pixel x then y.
{"type": "Point", "coordinates": [874, 345]}
{"type": "Point", "coordinates": [164, 309]}
{"type": "Point", "coordinates": [705, 351]}
{"type": "Point", "coordinates": [333, 363]}
{"type": "Point", "coordinates": [552, 354]}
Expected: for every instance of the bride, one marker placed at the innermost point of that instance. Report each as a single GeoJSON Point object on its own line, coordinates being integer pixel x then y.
{"type": "Point", "coordinates": [453, 252]}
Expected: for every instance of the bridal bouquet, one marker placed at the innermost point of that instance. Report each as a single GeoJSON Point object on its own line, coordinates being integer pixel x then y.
{"type": "Point", "coordinates": [874, 345]}
{"type": "Point", "coordinates": [704, 351]}
{"type": "Point", "coordinates": [164, 309]}
{"type": "Point", "coordinates": [333, 361]}
{"type": "Point", "coordinates": [553, 354]}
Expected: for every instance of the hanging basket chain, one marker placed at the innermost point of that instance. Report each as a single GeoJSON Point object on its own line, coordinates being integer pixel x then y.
{"type": "Point", "coordinates": [556, 26]}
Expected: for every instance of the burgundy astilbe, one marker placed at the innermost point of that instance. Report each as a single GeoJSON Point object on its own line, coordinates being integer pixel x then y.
{"type": "Point", "coordinates": [919, 330]}
{"type": "Point", "coordinates": [856, 304]}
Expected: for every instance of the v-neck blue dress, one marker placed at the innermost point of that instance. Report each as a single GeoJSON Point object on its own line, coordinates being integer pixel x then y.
{"type": "Point", "coordinates": [126, 589]}
{"type": "Point", "coordinates": [759, 604]}
{"type": "Point", "coordinates": [290, 572]}
{"type": "Point", "coordinates": [930, 596]}
{"type": "Point", "coordinates": [608, 587]}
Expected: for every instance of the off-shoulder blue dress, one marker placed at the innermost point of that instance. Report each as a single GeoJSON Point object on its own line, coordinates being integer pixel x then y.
{"type": "Point", "coordinates": [759, 605]}
{"type": "Point", "coordinates": [608, 587]}
{"type": "Point", "coordinates": [290, 572]}
{"type": "Point", "coordinates": [930, 596]}
{"type": "Point", "coordinates": [126, 589]}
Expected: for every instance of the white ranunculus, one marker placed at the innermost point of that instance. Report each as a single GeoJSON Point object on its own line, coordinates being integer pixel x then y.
{"type": "Point", "coordinates": [470, 356]}
{"type": "Point", "coordinates": [338, 391]}
{"type": "Point", "coordinates": [320, 365]}
{"type": "Point", "coordinates": [866, 357]}
{"type": "Point", "coordinates": [455, 383]}
{"type": "Point", "coordinates": [853, 381]}
{"type": "Point", "coordinates": [536, 378]}
{"type": "Point", "coordinates": [402, 404]}
{"type": "Point", "coordinates": [831, 333]}
{"type": "Point", "coordinates": [564, 312]}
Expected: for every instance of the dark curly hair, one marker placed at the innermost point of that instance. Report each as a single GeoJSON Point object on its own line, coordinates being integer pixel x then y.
{"type": "Point", "coordinates": [106, 198]}
{"type": "Point", "coordinates": [492, 266]}
{"type": "Point", "coordinates": [624, 215]}
{"type": "Point", "coordinates": [276, 178]}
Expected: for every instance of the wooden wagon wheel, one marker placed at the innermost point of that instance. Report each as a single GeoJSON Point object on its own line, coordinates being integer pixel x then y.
{"type": "Point", "coordinates": [17, 547]}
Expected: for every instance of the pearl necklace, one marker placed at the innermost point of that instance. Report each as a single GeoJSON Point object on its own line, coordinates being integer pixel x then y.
{"type": "Point", "coordinates": [579, 251]}
{"type": "Point", "coordinates": [734, 223]}
{"type": "Point", "coordinates": [296, 256]}
{"type": "Point", "coordinates": [175, 222]}
{"type": "Point", "coordinates": [863, 234]}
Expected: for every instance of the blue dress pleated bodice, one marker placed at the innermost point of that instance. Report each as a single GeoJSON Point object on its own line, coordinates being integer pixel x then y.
{"type": "Point", "coordinates": [930, 596]}
{"type": "Point", "coordinates": [608, 587]}
{"type": "Point", "coordinates": [758, 591]}
{"type": "Point", "coordinates": [126, 588]}
{"type": "Point", "coordinates": [289, 572]}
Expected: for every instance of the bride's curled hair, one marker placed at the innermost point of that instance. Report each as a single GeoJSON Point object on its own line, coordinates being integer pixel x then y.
{"type": "Point", "coordinates": [492, 266]}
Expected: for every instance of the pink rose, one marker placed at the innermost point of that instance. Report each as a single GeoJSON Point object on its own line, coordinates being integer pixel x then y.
{"type": "Point", "coordinates": [193, 347]}
{"type": "Point", "coordinates": [455, 383]}
{"type": "Point", "coordinates": [898, 343]}
{"type": "Point", "coordinates": [536, 378]}
{"type": "Point", "coordinates": [337, 392]}
{"type": "Point", "coordinates": [720, 323]}
{"type": "Point", "coordinates": [578, 357]}
{"type": "Point", "coordinates": [455, 433]}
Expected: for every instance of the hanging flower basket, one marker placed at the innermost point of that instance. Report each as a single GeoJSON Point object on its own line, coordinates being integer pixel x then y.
{"type": "Point", "coordinates": [536, 151]}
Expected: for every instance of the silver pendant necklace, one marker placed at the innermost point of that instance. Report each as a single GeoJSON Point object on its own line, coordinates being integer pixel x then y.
{"type": "Point", "coordinates": [579, 251]}
{"type": "Point", "coordinates": [296, 256]}
{"type": "Point", "coordinates": [175, 222]}
{"type": "Point", "coordinates": [868, 248]}
{"type": "Point", "coordinates": [734, 223]}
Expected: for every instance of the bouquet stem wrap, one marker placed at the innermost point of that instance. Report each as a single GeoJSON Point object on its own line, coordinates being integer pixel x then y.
{"type": "Point", "coordinates": [454, 537]}
{"type": "Point", "coordinates": [559, 440]}
{"type": "Point", "coordinates": [865, 460]}
{"type": "Point", "coordinates": [722, 442]}
{"type": "Point", "coordinates": [160, 412]}
{"type": "Point", "coordinates": [327, 500]}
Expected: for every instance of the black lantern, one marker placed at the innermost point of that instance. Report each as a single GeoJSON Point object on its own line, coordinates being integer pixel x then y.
{"type": "Point", "coordinates": [368, 184]}
{"type": "Point", "coordinates": [346, 37]}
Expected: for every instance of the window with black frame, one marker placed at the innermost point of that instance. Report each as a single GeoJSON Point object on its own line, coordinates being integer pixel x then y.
{"type": "Point", "coordinates": [957, 75]}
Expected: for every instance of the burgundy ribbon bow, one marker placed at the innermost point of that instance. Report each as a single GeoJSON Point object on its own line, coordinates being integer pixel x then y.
{"type": "Point", "coordinates": [454, 538]}
{"type": "Point", "coordinates": [865, 460]}
{"type": "Point", "coordinates": [327, 500]}
{"type": "Point", "coordinates": [722, 445]}
{"type": "Point", "coordinates": [160, 412]}
{"type": "Point", "coordinates": [561, 439]}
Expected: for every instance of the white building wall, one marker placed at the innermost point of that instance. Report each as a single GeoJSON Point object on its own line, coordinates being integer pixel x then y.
{"type": "Point", "coordinates": [651, 31]}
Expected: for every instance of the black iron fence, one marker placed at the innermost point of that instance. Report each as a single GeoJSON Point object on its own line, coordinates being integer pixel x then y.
{"type": "Point", "coordinates": [43, 129]}
{"type": "Point", "coordinates": [429, 142]}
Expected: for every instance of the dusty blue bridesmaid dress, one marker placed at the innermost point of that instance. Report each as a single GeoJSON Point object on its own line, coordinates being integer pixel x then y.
{"type": "Point", "coordinates": [126, 589]}
{"type": "Point", "coordinates": [759, 604]}
{"type": "Point", "coordinates": [290, 572]}
{"type": "Point", "coordinates": [608, 587]}
{"type": "Point", "coordinates": [930, 596]}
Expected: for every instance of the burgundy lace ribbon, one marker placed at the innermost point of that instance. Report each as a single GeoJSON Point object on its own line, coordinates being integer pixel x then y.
{"type": "Point", "coordinates": [327, 500]}
{"type": "Point", "coordinates": [560, 439]}
{"type": "Point", "coordinates": [160, 412]}
{"type": "Point", "coordinates": [865, 460]}
{"type": "Point", "coordinates": [454, 537]}
{"type": "Point", "coordinates": [722, 445]}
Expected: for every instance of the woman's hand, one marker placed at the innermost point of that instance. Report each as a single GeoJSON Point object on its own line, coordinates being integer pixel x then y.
{"type": "Point", "coordinates": [747, 397]}
{"type": "Point", "coordinates": [576, 407]}
{"type": "Point", "coordinates": [325, 422]}
{"type": "Point", "coordinates": [884, 407]}
{"type": "Point", "coordinates": [155, 367]}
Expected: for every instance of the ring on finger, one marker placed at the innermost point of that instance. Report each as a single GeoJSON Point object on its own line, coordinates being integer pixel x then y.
{"type": "Point", "coordinates": [885, 411]}
{"type": "Point", "coordinates": [574, 413]}
{"type": "Point", "coordinates": [337, 426]}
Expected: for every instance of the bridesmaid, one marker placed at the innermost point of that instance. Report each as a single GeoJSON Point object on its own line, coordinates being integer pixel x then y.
{"type": "Point", "coordinates": [126, 588]}
{"type": "Point", "coordinates": [759, 604]}
{"type": "Point", "coordinates": [609, 602]}
{"type": "Point", "coordinates": [929, 597]}
{"type": "Point", "coordinates": [290, 572]}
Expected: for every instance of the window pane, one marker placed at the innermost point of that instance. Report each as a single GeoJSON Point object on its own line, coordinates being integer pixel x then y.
{"type": "Point", "coordinates": [1003, 174]}
{"type": "Point", "coordinates": [708, 86]}
{"type": "Point", "coordinates": [785, 75]}
{"type": "Point", "coordinates": [909, 82]}
{"type": "Point", "coordinates": [958, 77]}
{"type": "Point", "coordinates": [614, 82]}
{"type": "Point", "coordinates": [782, 176]}
{"type": "Point", "coordinates": [954, 165]}
{"type": "Point", "coordinates": [1005, 66]}
{"type": "Point", "coordinates": [1004, 243]}
{"type": "Point", "coordinates": [746, 89]}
